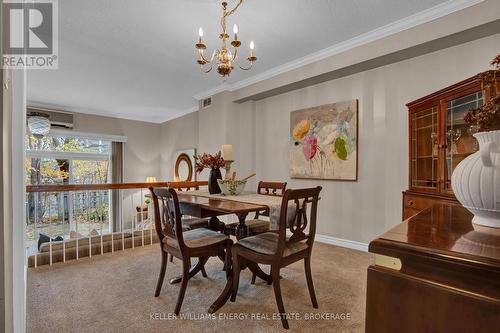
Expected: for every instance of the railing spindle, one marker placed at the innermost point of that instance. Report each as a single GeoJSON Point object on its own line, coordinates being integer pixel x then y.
{"type": "Point", "coordinates": [150, 218]}
{"type": "Point", "coordinates": [77, 234]}
{"type": "Point", "coordinates": [133, 220]}
{"type": "Point", "coordinates": [142, 217]}
{"type": "Point", "coordinates": [35, 236]}
{"type": "Point", "coordinates": [89, 223]}
{"type": "Point", "coordinates": [63, 222]}
{"type": "Point", "coordinates": [121, 219]}
{"type": "Point", "coordinates": [101, 219]}
{"type": "Point", "coordinates": [49, 204]}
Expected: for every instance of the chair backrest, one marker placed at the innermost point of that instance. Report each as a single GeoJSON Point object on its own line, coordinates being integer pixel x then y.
{"type": "Point", "coordinates": [271, 188]}
{"type": "Point", "coordinates": [168, 221]}
{"type": "Point", "coordinates": [298, 212]}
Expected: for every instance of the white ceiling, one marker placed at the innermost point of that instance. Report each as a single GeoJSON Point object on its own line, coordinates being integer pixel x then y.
{"type": "Point", "coordinates": [136, 59]}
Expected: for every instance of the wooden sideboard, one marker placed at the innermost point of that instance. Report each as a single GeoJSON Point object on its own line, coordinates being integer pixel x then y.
{"type": "Point", "coordinates": [434, 273]}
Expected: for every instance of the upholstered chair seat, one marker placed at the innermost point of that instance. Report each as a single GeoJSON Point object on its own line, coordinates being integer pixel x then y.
{"type": "Point", "coordinates": [267, 243]}
{"type": "Point", "coordinates": [197, 238]}
{"type": "Point", "coordinates": [190, 223]}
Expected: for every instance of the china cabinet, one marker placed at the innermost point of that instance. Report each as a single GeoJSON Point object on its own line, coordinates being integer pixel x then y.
{"type": "Point", "coordinates": [438, 140]}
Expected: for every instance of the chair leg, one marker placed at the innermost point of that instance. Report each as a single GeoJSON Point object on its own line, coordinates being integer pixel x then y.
{"type": "Point", "coordinates": [254, 276]}
{"type": "Point", "coordinates": [163, 268]}
{"type": "Point", "coordinates": [186, 264]}
{"type": "Point", "coordinates": [227, 261]}
{"type": "Point", "coordinates": [310, 285]}
{"type": "Point", "coordinates": [236, 275]}
{"type": "Point", "coordinates": [203, 271]}
{"type": "Point", "coordinates": [277, 295]}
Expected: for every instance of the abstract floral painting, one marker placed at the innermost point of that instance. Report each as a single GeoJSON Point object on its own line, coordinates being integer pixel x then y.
{"type": "Point", "coordinates": [324, 142]}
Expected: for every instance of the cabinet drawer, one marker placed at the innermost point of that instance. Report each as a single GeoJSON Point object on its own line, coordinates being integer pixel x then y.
{"type": "Point", "coordinates": [415, 203]}
{"type": "Point", "coordinates": [418, 203]}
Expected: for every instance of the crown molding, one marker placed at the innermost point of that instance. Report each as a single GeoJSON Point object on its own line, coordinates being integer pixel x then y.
{"type": "Point", "coordinates": [406, 23]}
{"type": "Point", "coordinates": [126, 116]}
{"type": "Point", "coordinates": [179, 114]}
{"type": "Point", "coordinates": [210, 92]}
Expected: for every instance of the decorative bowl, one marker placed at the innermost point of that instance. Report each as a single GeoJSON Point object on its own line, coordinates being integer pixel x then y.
{"type": "Point", "coordinates": [231, 187]}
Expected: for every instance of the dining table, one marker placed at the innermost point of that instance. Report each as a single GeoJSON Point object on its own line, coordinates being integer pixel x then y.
{"type": "Point", "coordinates": [202, 204]}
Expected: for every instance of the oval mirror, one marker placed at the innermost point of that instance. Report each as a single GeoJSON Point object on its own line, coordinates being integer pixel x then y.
{"type": "Point", "coordinates": [183, 168]}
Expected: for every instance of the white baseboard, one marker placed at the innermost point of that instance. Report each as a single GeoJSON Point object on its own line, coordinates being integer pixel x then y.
{"type": "Point", "coordinates": [342, 242]}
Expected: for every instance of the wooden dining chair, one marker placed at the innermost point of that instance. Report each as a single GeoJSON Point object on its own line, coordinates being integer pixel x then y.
{"type": "Point", "coordinates": [298, 212]}
{"type": "Point", "coordinates": [189, 222]}
{"type": "Point", "coordinates": [256, 226]}
{"type": "Point", "coordinates": [199, 243]}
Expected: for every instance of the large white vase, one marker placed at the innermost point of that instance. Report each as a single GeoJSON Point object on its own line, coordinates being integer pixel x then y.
{"type": "Point", "coordinates": [476, 181]}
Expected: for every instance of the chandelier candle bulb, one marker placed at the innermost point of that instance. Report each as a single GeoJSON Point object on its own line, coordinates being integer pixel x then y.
{"type": "Point", "coordinates": [235, 30]}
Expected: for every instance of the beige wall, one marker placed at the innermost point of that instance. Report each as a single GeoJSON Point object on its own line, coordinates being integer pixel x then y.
{"type": "Point", "coordinates": [141, 155]}
{"type": "Point", "coordinates": [181, 133]}
{"type": "Point", "coordinates": [357, 211]}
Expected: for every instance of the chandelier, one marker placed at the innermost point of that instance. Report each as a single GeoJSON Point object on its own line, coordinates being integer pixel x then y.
{"type": "Point", "coordinates": [223, 57]}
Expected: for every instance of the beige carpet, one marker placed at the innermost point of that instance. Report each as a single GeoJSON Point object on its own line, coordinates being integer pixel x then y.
{"type": "Point", "coordinates": [114, 293]}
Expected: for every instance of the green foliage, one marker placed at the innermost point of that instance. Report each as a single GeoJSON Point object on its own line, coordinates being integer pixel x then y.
{"type": "Point", "coordinates": [340, 148]}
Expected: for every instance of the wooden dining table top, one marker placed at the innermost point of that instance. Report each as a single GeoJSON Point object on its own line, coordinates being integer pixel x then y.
{"type": "Point", "coordinates": [221, 204]}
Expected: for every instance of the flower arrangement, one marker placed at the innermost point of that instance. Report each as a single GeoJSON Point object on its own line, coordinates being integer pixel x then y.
{"type": "Point", "coordinates": [214, 161]}
{"type": "Point", "coordinates": [487, 117]}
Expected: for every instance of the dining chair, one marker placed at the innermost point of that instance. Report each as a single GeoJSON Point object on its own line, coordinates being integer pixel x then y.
{"type": "Point", "coordinates": [298, 213]}
{"type": "Point", "coordinates": [198, 243]}
{"type": "Point", "coordinates": [189, 222]}
{"type": "Point", "coordinates": [256, 226]}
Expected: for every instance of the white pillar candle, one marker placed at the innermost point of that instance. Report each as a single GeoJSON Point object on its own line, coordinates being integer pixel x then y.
{"type": "Point", "coordinates": [227, 152]}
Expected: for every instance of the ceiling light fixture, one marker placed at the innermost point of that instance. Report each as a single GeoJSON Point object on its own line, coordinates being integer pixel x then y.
{"type": "Point", "coordinates": [38, 124]}
{"type": "Point", "coordinates": [223, 58]}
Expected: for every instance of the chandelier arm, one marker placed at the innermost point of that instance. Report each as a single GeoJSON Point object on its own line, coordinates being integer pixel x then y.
{"type": "Point", "coordinates": [214, 55]}
{"type": "Point", "coordinates": [235, 53]}
{"type": "Point", "coordinates": [204, 59]}
{"type": "Point", "coordinates": [244, 68]}
{"type": "Point", "coordinates": [208, 70]}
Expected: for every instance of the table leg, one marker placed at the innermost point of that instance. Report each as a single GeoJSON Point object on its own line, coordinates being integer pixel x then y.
{"type": "Point", "coordinates": [193, 271]}
{"type": "Point", "coordinates": [214, 223]}
{"type": "Point", "coordinates": [241, 228]}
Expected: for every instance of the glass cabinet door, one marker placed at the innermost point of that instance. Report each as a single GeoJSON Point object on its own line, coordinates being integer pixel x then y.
{"type": "Point", "coordinates": [425, 149]}
{"type": "Point", "coordinates": [458, 135]}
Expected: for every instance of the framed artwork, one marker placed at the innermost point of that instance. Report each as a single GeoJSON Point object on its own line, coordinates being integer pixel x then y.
{"type": "Point", "coordinates": [324, 142]}
{"type": "Point", "coordinates": [184, 165]}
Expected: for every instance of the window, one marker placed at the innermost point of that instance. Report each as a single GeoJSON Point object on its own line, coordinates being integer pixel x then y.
{"type": "Point", "coordinates": [67, 159]}
{"type": "Point", "coordinates": [63, 159]}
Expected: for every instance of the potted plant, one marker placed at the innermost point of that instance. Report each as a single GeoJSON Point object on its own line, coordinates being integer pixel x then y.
{"type": "Point", "coordinates": [214, 163]}
{"type": "Point", "coordinates": [476, 180]}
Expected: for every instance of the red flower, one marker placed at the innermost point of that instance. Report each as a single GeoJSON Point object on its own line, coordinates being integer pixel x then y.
{"type": "Point", "coordinates": [208, 161]}
{"type": "Point", "coordinates": [309, 147]}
